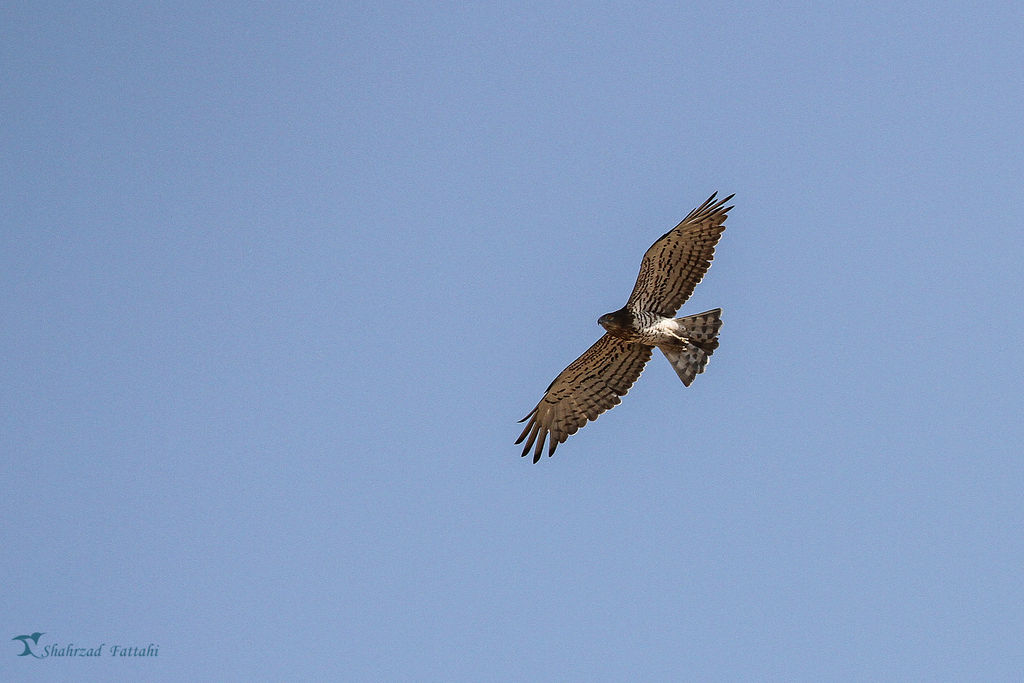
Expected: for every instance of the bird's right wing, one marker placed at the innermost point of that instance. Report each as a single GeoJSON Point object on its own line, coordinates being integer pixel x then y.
{"type": "Point", "coordinates": [590, 385]}
{"type": "Point", "coordinates": [673, 265]}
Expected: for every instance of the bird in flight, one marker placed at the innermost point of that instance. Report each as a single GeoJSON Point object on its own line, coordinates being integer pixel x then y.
{"type": "Point", "coordinates": [593, 383]}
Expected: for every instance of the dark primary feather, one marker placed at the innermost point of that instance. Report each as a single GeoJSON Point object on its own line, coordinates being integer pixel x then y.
{"type": "Point", "coordinates": [674, 264]}
{"type": "Point", "coordinates": [590, 385]}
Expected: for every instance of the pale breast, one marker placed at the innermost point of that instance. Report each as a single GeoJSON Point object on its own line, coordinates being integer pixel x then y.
{"type": "Point", "coordinates": [654, 330]}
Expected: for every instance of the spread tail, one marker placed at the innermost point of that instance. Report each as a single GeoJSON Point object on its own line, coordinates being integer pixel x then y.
{"type": "Point", "coordinates": [689, 358]}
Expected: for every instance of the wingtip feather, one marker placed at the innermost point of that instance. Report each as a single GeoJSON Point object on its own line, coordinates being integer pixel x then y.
{"type": "Point", "coordinates": [540, 445]}
{"type": "Point", "coordinates": [528, 416]}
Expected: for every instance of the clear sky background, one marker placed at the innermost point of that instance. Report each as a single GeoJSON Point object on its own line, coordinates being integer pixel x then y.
{"type": "Point", "coordinates": [278, 279]}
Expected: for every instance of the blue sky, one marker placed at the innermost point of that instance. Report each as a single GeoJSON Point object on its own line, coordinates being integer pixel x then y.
{"type": "Point", "coordinates": [281, 278]}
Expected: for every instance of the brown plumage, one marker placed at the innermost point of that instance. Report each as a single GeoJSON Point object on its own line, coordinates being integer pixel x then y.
{"type": "Point", "coordinates": [595, 381]}
{"type": "Point", "coordinates": [674, 264]}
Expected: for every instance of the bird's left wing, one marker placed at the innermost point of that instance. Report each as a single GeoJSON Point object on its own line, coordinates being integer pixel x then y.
{"type": "Point", "coordinates": [674, 264]}
{"type": "Point", "coordinates": [590, 385]}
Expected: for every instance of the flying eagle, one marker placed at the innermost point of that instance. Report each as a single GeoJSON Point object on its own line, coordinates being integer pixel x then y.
{"type": "Point", "coordinates": [593, 383]}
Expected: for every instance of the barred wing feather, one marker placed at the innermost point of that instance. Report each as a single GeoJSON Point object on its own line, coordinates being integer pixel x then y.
{"type": "Point", "coordinates": [590, 385]}
{"type": "Point", "coordinates": [674, 264]}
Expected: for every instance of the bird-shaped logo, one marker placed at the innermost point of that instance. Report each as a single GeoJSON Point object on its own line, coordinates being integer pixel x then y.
{"type": "Point", "coordinates": [28, 648]}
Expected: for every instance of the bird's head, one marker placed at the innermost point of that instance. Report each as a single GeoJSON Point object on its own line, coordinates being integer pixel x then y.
{"type": "Point", "coordinates": [617, 320]}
